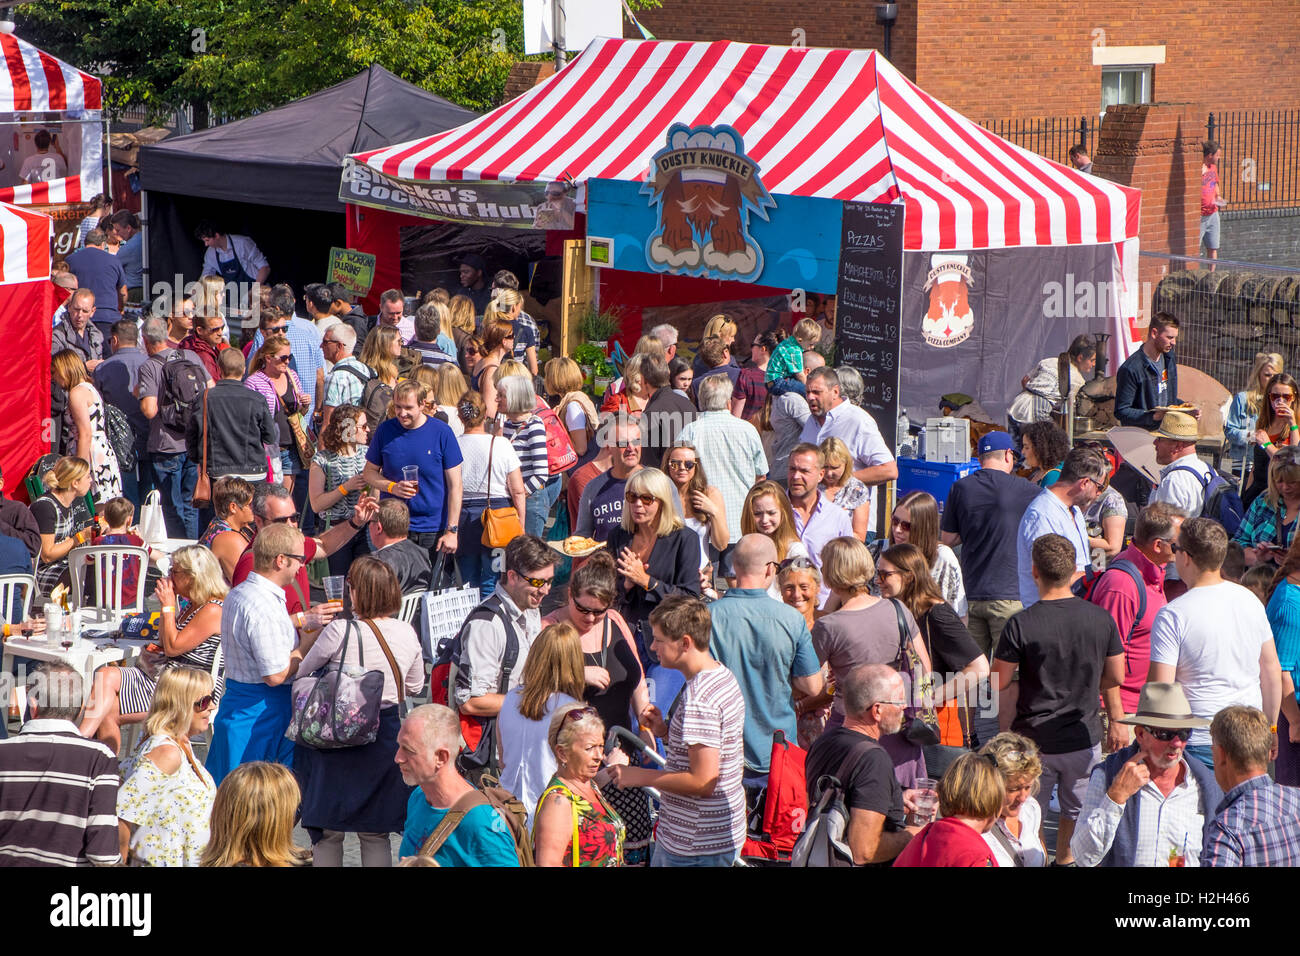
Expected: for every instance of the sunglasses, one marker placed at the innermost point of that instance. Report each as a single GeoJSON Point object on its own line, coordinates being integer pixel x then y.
{"type": "Point", "coordinates": [1175, 547]}
{"type": "Point", "coordinates": [277, 329]}
{"type": "Point", "coordinates": [882, 574]}
{"type": "Point", "coordinates": [203, 703]}
{"type": "Point", "coordinates": [300, 558]}
{"type": "Point", "coordinates": [287, 519]}
{"type": "Point", "coordinates": [537, 582]}
{"type": "Point", "coordinates": [682, 465]}
{"type": "Point", "coordinates": [646, 500]}
{"type": "Point", "coordinates": [1165, 734]}
{"type": "Point", "coordinates": [799, 563]}
{"type": "Point", "coordinates": [902, 525]}
{"type": "Point", "coordinates": [281, 359]}
{"type": "Point", "coordinates": [588, 611]}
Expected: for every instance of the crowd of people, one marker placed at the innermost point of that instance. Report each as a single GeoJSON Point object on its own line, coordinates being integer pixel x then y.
{"type": "Point", "coordinates": [617, 696]}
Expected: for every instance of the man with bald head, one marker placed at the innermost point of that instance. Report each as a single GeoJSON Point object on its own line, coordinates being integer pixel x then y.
{"type": "Point", "coordinates": [766, 645]}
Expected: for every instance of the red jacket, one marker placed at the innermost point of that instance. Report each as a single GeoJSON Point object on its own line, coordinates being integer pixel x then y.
{"type": "Point", "coordinates": [206, 353]}
{"type": "Point", "coordinates": [946, 842]}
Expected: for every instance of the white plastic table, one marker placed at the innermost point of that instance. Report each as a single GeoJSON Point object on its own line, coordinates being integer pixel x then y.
{"type": "Point", "coordinates": [85, 659]}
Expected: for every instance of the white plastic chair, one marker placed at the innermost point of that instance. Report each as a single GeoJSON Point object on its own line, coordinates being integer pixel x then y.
{"type": "Point", "coordinates": [410, 607]}
{"type": "Point", "coordinates": [9, 584]}
{"type": "Point", "coordinates": [109, 564]}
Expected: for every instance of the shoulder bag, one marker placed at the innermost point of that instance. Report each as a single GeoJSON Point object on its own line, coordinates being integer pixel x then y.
{"type": "Point", "coordinates": [203, 487]}
{"type": "Point", "coordinates": [500, 525]}
{"type": "Point", "coordinates": [920, 721]}
{"type": "Point", "coordinates": [303, 444]}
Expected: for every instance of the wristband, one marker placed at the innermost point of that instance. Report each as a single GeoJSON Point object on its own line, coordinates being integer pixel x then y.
{"type": "Point", "coordinates": [1295, 428]}
{"type": "Point", "coordinates": [1268, 444]}
{"type": "Point", "coordinates": [391, 486]}
{"type": "Point", "coordinates": [6, 628]}
{"type": "Point", "coordinates": [353, 525]}
{"type": "Point", "coordinates": [1273, 729]}
{"type": "Point", "coordinates": [167, 609]}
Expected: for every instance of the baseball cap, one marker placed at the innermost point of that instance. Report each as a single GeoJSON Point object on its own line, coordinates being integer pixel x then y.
{"type": "Point", "coordinates": [994, 441]}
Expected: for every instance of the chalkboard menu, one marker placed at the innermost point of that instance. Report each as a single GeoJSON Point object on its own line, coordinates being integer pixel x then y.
{"type": "Point", "coordinates": [868, 306]}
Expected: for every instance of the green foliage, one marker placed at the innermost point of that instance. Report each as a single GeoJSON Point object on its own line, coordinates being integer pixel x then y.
{"type": "Point", "coordinates": [598, 326]}
{"type": "Point", "coordinates": [244, 56]}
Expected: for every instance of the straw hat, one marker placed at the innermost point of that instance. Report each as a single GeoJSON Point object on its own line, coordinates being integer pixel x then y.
{"type": "Point", "coordinates": [1179, 426]}
{"type": "Point", "coordinates": [1164, 705]}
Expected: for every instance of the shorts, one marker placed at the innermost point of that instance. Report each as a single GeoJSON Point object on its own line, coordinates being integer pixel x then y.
{"type": "Point", "coordinates": [1069, 771]}
{"type": "Point", "coordinates": [1210, 230]}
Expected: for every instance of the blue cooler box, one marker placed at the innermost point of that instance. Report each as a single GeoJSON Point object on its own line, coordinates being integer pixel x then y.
{"type": "Point", "coordinates": [936, 477]}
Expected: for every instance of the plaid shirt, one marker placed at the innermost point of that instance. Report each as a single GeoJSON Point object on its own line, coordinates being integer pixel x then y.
{"type": "Point", "coordinates": [1257, 823]}
{"type": "Point", "coordinates": [786, 360]}
{"type": "Point", "coordinates": [526, 335]}
{"type": "Point", "coordinates": [1261, 524]}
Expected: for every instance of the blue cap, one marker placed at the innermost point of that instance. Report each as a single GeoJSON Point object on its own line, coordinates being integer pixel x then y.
{"type": "Point", "coordinates": [994, 441]}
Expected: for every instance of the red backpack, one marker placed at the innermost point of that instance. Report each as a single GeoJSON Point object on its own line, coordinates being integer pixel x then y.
{"type": "Point", "coordinates": [560, 456]}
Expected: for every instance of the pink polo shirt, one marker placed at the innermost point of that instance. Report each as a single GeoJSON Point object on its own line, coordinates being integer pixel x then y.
{"type": "Point", "coordinates": [1117, 593]}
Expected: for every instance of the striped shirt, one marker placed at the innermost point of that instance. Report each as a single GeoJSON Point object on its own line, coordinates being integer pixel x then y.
{"type": "Point", "coordinates": [1257, 823]}
{"type": "Point", "coordinates": [529, 440]}
{"type": "Point", "coordinates": [304, 344]}
{"type": "Point", "coordinates": [710, 712]}
{"type": "Point", "coordinates": [58, 798]}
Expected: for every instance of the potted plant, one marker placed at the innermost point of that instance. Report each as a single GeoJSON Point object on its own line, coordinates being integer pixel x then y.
{"type": "Point", "coordinates": [588, 356]}
{"type": "Point", "coordinates": [598, 326]}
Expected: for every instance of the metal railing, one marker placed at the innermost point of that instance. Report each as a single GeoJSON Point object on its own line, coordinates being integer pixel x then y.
{"type": "Point", "coordinates": [1049, 136]}
{"type": "Point", "coordinates": [1260, 166]}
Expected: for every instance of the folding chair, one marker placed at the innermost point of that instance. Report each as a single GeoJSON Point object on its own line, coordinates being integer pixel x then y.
{"type": "Point", "coordinates": [109, 562]}
{"type": "Point", "coordinates": [17, 607]}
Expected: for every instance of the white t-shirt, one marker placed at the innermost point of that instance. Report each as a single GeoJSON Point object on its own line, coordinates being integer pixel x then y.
{"type": "Point", "coordinates": [1028, 846]}
{"type": "Point", "coordinates": [1213, 636]}
{"type": "Point", "coordinates": [574, 417]}
{"type": "Point", "coordinates": [473, 470]}
{"type": "Point", "coordinates": [1182, 489]}
{"type": "Point", "coordinates": [43, 168]}
{"type": "Point", "coordinates": [527, 761]}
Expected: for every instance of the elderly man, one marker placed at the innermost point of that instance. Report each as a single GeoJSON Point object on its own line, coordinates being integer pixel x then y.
{"type": "Point", "coordinates": [426, 753]}
{"type": "Point", "coordinates": [1059, 510]}
{"type": "Point", "coordinates": [58, 790]}
{"type": "Point", "coordinates": [262, 652]}
{"type": "Point", "coordinates": [1257, 823]}
{"type": "Point", "coordinates": [817, 519]}
{"type": "Point", "coordinates": [667, 334]}
{"type": "Point", "coordinates": [730, 451]}
{"type": "Point", "coordinates": [1184, 478]}
{"type": "Point", "coordinates": [348, 377]}
{"type": "Point", "coordinates": [388, 536]}
{"type": "Point", "coordinates": [874, 698]}
{"type": "Point", "coordinates": [1146, 805]}
{"type": "Point", "coordinates": [834, 417]}
{"type": "Point", "coordinates": [1215, 640]}
{"type": "Point", "coordinates": [766, 646]}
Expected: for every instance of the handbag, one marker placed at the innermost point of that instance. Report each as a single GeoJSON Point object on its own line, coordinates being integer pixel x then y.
{"type": "Point", "coordinates": [202, 497]}
{"type": "Point", "coordinates": [338, 706]}
{"type": "Point", "coordinates": [500, 525]}
{"type": "Point", "coordinates": [920, 723]}
{"type": "Point", "coordinates": [303, 443]}
{"type": "Point", "coordinates": [152, 527]}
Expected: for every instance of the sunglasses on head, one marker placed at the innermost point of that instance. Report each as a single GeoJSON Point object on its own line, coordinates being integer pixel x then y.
{"type": "Point", "coordinates": [578, 713]}
{"type": "Point", "coordinates": [646, 500]}
{"type": "Point", "coordinates": [799, 563]}
{"type": "Point", "coordinates": [203, 703]}
{"type": "Point", "coordinates": [1165, 734]}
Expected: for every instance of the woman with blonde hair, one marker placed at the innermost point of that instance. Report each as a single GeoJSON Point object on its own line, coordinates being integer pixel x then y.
{"type": "Point", "coordinates": [916, 521]}
{"type": "Point", "coordinates": [971, 797]}
{"type": "Point", "coordinates": [553, 677]}
{"type": "Point", "coordinates": [505, 484]}
{"type": "Point", "coordinates": [631, 399]}
{"type": "Point", "coordinates": [498, 345]}
{"type": "Point", "coordinates": [165, 802]}
{"type": "Point", "coordinates": [448, 386]}
{"type": "Point", "coordinates": [843, 488]}
{"type": "Point", "coordinates": [1276, 428]}
{"type": "Point", "coordinates": [563, 378]}
{"type": "Point", "coordinates": [1014, 837]}
{"type": "Point", "coordinates": [574, 823]}
{"type": "Point", "coordinates": [272, 378]}
{"type": "Point", "coordinates": [335, 481]}
{"type": "Point", "coordinates": [1270, 523]}
{"type": "Point", "coordinates": [63, 519]}
{"type": "Point", "coordinates": [719, 326]}
{"type": "Point", "coordinates": [86, 407]}
{"type": "Point", "coordinates": [655, 556]}
{"type": "Point", "coordinates": [703, 509]}
{"type": "Point", "coordinates": [252, 818]}
{"type": "Point", "coordinates": [463, 325]}
{"type": "Point", "coordinates": [1246, 404]}
{"type": "Point", "coordinates": [507, 305]}
{"type": "Point", "coordinates": [188, 638]}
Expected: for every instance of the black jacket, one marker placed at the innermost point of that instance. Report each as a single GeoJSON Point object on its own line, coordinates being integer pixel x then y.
{"type": "Point", "coordinates": [1137, 390]}
{"type": "Point", "coordinates": [674, 569]}
{"type": "Point", "coordinates": [16, 521]}
{"type": "Point", "coordinates": [239, 425]}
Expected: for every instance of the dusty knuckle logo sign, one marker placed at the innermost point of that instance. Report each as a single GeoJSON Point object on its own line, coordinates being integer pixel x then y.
{"type": "Point", "coordinates": [950, 319]}
{"type": "Point", "coordinates": [705, 188]}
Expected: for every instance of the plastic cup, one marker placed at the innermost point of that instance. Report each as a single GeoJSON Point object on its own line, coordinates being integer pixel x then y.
{"type": "Point", "coordinates": [334, 587]}
{"type": "Point", "coordinates": [411, 473]}
{"type": "Point", "coordinates": [927, 800]}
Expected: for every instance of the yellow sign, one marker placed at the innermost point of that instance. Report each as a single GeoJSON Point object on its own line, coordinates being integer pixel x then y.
{"type": "Point", "coordinates": [355, 271]}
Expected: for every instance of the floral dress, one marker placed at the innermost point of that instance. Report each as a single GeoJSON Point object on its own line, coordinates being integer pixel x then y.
{"type": "Point", "coordinates": [598, 831]}
{"type": "Point", "coordinates": [104, 471]}
{"type": "Point", "coordinates": [852, 495]}
{"type": "Point", "coordinates": [170, 811]}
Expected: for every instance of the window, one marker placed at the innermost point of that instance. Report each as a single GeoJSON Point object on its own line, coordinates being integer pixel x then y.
{"type": "Point", "coordinates": [1122, 85]}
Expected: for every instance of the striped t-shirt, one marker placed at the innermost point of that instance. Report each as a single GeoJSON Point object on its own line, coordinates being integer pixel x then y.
{"type": "Point", "coordinates": [710, 712]}
{"type": "Point", "coordinates": [58, 798]}
{"type": "Point", "coordinates": [529, 440]}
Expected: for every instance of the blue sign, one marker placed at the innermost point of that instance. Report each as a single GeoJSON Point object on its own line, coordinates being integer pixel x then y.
{"type": "Point", "coordinates": [794, 241]}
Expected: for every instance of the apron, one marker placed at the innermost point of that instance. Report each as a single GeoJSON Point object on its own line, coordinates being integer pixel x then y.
{"type": "Point", "coordinates": [250, 725]}
{"type": "Point", "coordinates": [232, 270]}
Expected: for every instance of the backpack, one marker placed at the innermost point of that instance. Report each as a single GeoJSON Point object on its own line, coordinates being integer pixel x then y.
{"type": "Point", "coordinates": [1131, 570]}
{"type": "Point", "coordinates": [375, 399]}
{"type": "Point", "coordinates": [507, 805]}
{"type": "Point", "coordinates": [824, 841]}
{"type": "Point", "coordinates": [183, 384]}
{"type": "Point", "coordinates": [1222, 503]}
{"type": "Point", "coordinates": [121, 436]}
{"type": "Point", "coordinates": [560, 456]}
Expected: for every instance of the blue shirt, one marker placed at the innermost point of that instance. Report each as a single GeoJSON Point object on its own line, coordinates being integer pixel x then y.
{"type": "Point", "coordinates": [1284, 621]}
{"type": "Point", "coordinates": [131, 255]}
{"type": "Point", "coordinates": [764, 643]}
{"type": "Point", "coordinates": [102, 274]}
{"type": "Point", "coordinates": [1257, 823]}
{"type": "Point", "coordinates": [433, 449]}
{"type": "Point", "coordinates": [481, 839]}
{"type": "Point", "coordinates": [1046, 514]}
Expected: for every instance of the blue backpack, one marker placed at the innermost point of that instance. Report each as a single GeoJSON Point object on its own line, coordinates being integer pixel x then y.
{"type": "Point", "coordinates": [1222, 503]}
